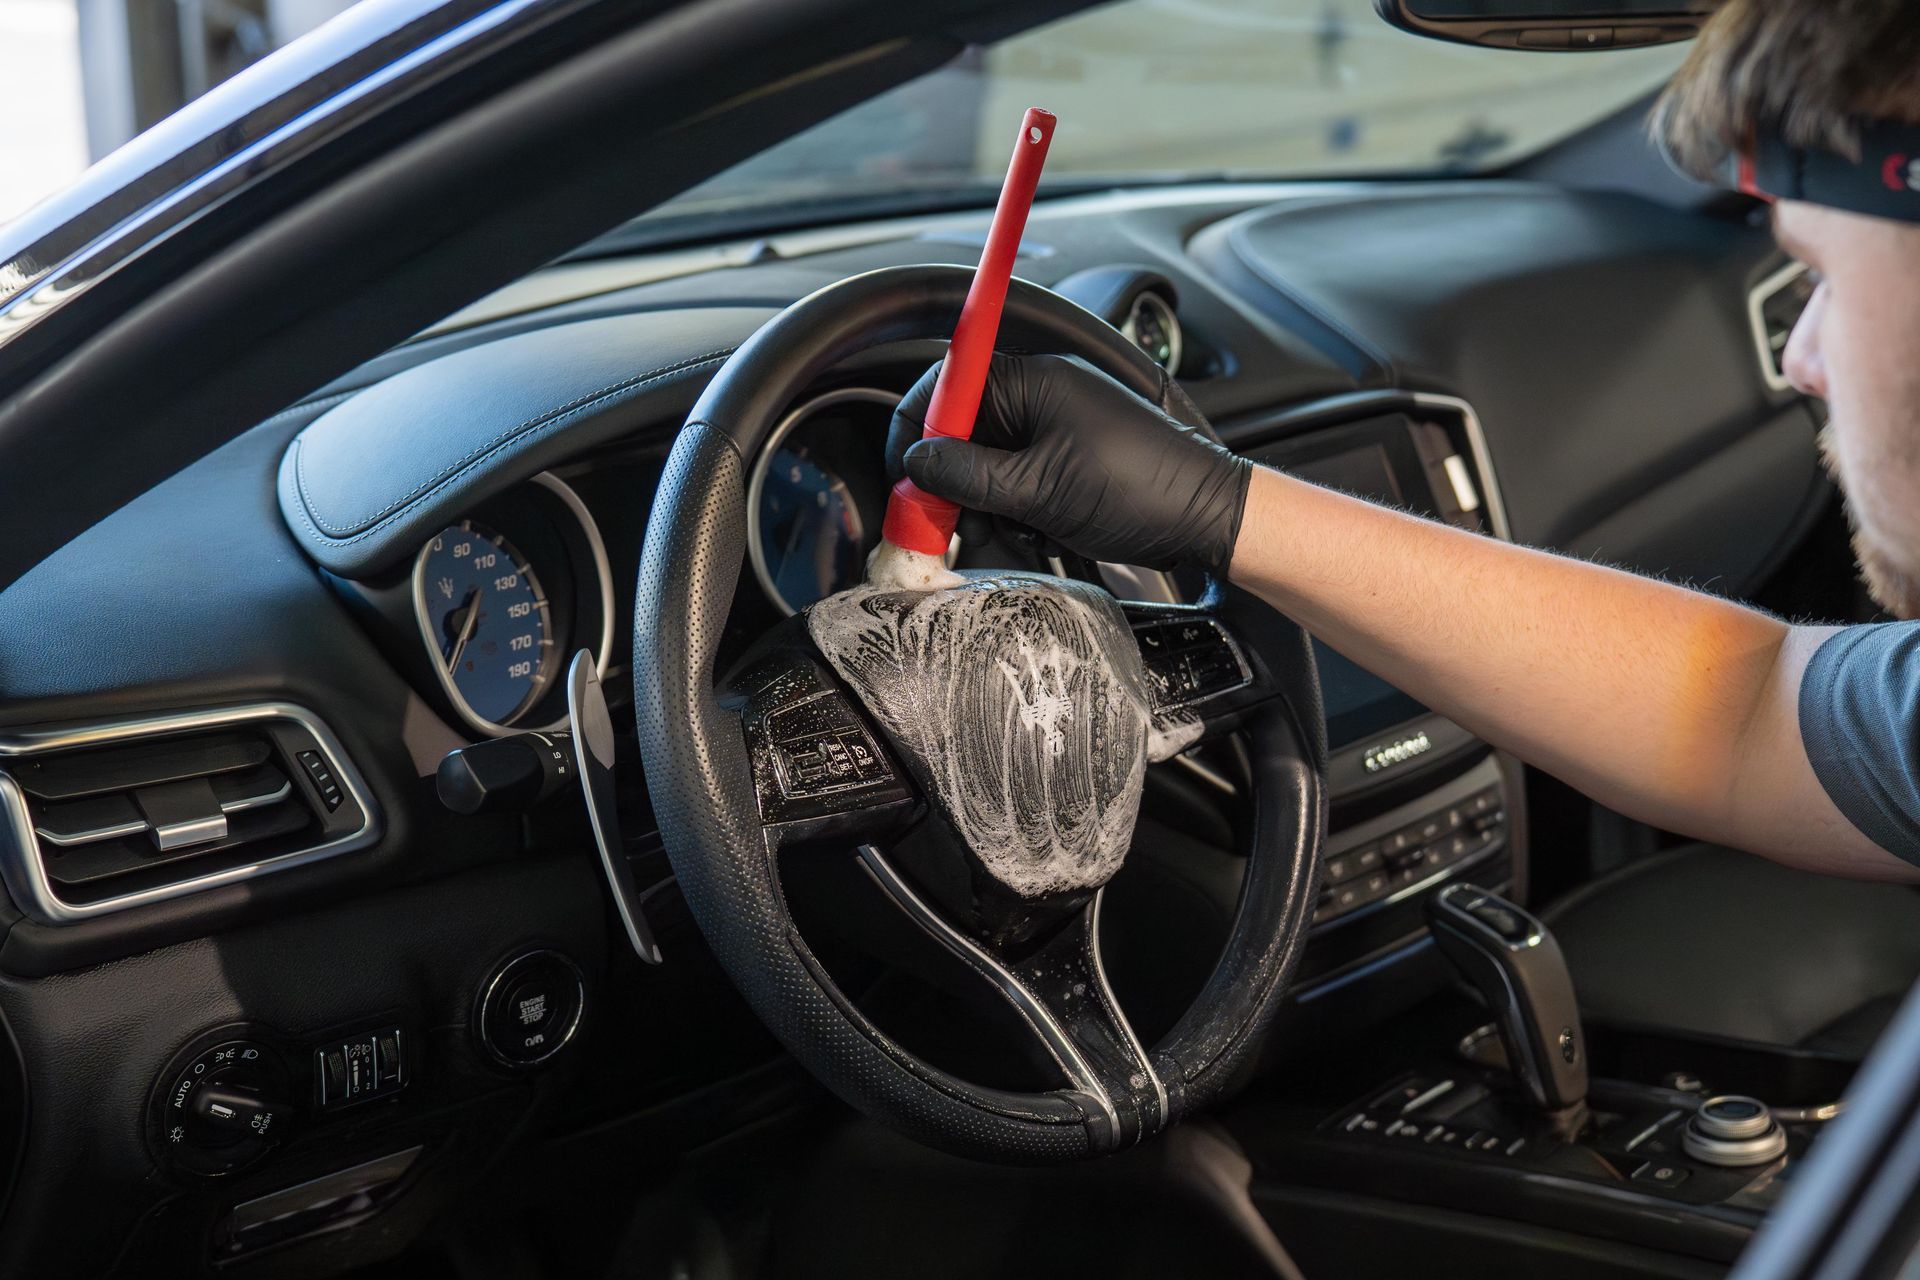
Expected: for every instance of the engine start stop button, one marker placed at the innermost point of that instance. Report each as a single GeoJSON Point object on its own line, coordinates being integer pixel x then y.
{"type": "Point", "coordinates": [530, 1008]}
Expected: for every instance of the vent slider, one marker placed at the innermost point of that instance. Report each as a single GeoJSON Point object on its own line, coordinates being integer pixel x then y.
{"type": "Point", "coordinates": [108, 816]}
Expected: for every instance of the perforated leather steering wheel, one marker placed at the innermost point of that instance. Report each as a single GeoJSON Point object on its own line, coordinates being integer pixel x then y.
{"type": "Point", "coordinates": [728, 797]}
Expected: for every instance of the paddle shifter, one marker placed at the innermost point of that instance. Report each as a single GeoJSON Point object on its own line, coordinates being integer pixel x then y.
{"type": "Point", "coordinates": [1514, 963]}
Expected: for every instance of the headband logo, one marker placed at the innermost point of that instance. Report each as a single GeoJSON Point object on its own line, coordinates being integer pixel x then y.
{"type": "Point", "coordinates": [1901, 172]}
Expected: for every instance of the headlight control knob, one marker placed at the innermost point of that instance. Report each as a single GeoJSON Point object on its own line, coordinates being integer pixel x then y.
{"type": "Point", "coordinates": [221, 1107]}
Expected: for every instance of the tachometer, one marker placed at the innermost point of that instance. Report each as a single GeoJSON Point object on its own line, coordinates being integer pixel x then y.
{"type": "Point", "coordinates": [812, 539]}
{"type": "Point", "coordinates": [817, 493]}
{"type": "Point", "coordinates": [487, 615]}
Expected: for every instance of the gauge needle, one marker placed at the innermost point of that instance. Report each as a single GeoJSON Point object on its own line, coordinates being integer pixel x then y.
{"type": "Point", "coordinates": [472, 606]}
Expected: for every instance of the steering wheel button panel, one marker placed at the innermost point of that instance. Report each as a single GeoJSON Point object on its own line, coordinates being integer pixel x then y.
{"type": "Point", "coordinates": [1189, 659]}
{"type": "Point", "coordinates": [812, 755]}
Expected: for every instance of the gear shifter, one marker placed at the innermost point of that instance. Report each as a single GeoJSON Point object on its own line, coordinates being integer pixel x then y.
{"type": "Point", "coordinates": [1514, 963]}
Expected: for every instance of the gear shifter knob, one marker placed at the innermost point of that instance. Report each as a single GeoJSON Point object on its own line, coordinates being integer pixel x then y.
{"type": "Point", "coordinates": [1514, 963]}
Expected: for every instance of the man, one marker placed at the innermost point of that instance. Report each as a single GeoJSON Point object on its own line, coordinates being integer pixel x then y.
{"type": "Point", "coordinates": [1688, 712]}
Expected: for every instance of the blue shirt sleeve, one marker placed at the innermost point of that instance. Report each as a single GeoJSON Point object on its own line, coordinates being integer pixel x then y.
{"type": "Point", "coordinates": [1860, 721]}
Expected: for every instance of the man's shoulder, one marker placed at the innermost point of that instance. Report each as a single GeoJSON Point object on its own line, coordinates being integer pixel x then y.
{"type": "Point", "coordinates": [1860, 725]}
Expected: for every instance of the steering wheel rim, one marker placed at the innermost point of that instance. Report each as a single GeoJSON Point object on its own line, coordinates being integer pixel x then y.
{"type": "Point", "coordinates": [700, 776]}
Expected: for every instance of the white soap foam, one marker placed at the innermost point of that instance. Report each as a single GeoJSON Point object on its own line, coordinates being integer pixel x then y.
{"type": "Point", "coordinates": [898, 569]}
{"type": "Point", "coordinates": [1171, 734]}
{"type": "Point", "coordinates": [1021, 702]}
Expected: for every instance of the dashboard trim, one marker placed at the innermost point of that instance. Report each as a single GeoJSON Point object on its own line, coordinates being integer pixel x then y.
{"type": "Point", "coordinates": [24, 871]}
{"type": "Point", "coordinates": [1336, 410]}
{"type": "Point", "coordinates": [1772, 363]}
{"type": "Point", "coordinates": [602, 569]}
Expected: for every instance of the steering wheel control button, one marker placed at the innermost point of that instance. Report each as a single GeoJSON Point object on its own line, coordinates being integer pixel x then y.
{"type": "Point", "coordinates": [530, 1009]}
{"type": "Point", "coordinates": [1733, 1131]}
{"type": "Point", "coordinates": [1189, 659]}
{"type": "Point", "coordinates": [813, 756]}
{"type": "Point", "coordinates": [358, 1068]}
{"type": "Point", "coordinates": [819, 748]}
{"type": "Point", "coordinates": [221, 1108]}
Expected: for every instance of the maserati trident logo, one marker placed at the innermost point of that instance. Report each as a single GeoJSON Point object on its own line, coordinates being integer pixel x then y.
{"type": "Point", "coordinates": [446, 587]}
{"type": "Point", "coordinates": [1390, 754]}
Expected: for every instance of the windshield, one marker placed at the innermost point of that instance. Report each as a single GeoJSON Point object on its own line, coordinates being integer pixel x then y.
{"type": "Point", "coordinates": [1169, 90]}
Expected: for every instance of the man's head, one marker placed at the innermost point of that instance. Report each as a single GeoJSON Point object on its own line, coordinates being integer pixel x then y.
{"type": "Point", "coordinates": [1807, 74]}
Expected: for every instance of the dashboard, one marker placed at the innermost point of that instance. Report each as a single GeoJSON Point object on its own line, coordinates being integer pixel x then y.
{"type": "Point", "coordinates": [407, 563]}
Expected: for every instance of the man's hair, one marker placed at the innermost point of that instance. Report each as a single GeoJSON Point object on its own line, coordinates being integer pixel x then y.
{"type": "Point", "coordinates": [1808, 69]}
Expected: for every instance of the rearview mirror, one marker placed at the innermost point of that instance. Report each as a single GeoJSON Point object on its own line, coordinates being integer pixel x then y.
{"type": "Point", "coordinates": [1562, 26]}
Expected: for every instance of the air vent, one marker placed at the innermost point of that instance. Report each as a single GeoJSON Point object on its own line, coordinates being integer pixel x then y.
{"type": "Point", "coordinates": [1774, 307]}
{"type": "Point", "coordinates": [100, 818]}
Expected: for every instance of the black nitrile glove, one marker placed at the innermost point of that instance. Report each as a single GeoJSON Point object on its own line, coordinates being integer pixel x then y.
{"type": "Point", "coordinates": [1065, 449]}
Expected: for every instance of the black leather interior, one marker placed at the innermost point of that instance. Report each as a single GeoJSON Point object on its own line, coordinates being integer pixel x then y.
{"type": "Point", "coordinates": [1714, 941]}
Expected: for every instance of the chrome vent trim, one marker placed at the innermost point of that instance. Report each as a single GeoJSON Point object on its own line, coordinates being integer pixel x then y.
{"type": "Point", "coordinates": [1771, 343]}
{"type": "Point", "coordinates": [22, 860]}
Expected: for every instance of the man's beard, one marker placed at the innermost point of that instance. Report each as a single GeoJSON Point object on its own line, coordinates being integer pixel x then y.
{"type": "Point", "coordinates": [1892, 587]}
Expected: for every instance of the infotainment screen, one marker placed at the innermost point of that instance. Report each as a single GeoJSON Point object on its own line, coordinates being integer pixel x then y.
{"type": "Point", "coordinates": [1373, 460]}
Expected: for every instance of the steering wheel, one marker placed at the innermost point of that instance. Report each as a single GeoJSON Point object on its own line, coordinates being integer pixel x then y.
{"type": "Point", "coordinates": [782, 752]}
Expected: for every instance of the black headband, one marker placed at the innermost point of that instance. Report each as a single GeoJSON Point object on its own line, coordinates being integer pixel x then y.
{"type": "Point", "coordinates": [1883, 183]}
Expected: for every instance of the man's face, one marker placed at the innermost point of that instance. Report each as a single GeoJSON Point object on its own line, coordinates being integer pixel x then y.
{"type": "Point", "coordinates": [1857, 346]}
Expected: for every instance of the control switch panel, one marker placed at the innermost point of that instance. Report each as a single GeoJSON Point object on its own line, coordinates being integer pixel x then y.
{"type": "Point", "coordinates": [1416, 853]}
{"type": "Point", "coordinates": [359, 1067]}
{"type": "Point", "coordinates": [1189, 659]}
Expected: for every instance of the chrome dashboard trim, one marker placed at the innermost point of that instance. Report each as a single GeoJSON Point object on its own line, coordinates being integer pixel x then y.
{"type": "Point", "coordinates": [1176, 336]}
{"type": "Point", "coordinates": [1339, 410]}
{"type": "Point", "coordinates": [757, 478]}
{"type": "Point", "coordinates": [602, 569]}
{"type": "Point", "coordinates": [98, 834]}
{"type": "Point", "coordinates": [1772, 363]}
{"type": "Point", "coordinates": [23, 869]}
{"type": "Point", "coordinates": [1482, 458]}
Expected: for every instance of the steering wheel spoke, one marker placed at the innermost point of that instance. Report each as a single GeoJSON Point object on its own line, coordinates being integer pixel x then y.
{"type": "Point", "coordinates": [1202, 678]}
{"type": "Point", "coordinates": [820, 770]}
{"type": "Point", "coordinates": [1060, 990]}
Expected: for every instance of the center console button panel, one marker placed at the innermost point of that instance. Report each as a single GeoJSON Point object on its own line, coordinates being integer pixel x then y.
{"type": "Point", "coordinates": [1636, 1134]}
{"type": "Point", "coordinates": [1414, 854]}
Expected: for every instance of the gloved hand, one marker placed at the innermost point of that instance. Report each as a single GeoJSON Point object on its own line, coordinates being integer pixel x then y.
{"type": "Point", "coordinates": [1065, 449]}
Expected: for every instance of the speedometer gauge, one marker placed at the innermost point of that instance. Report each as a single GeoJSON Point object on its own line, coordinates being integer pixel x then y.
{"type": "Point", "coordinates": [487, 616]}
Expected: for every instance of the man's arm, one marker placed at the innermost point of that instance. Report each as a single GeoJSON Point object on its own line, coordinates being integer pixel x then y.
{"type": "Point", "coordinates": [1671, 706]}
{"type": "Point", "coordinates": [1668, 705]}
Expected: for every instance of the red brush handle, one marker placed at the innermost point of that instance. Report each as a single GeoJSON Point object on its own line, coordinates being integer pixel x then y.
{"type": "Point", "coordinates": [916, 519]}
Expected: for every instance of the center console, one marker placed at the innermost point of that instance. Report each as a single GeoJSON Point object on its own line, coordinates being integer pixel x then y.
{"type": "Point", "coordinates": [1417, 801]}
{"type": "Point", "coordinates": [1511, 1132]}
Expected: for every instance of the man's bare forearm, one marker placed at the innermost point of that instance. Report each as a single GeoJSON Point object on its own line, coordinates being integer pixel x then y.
{"type": "Point", "coordinates": [1669, 705]}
